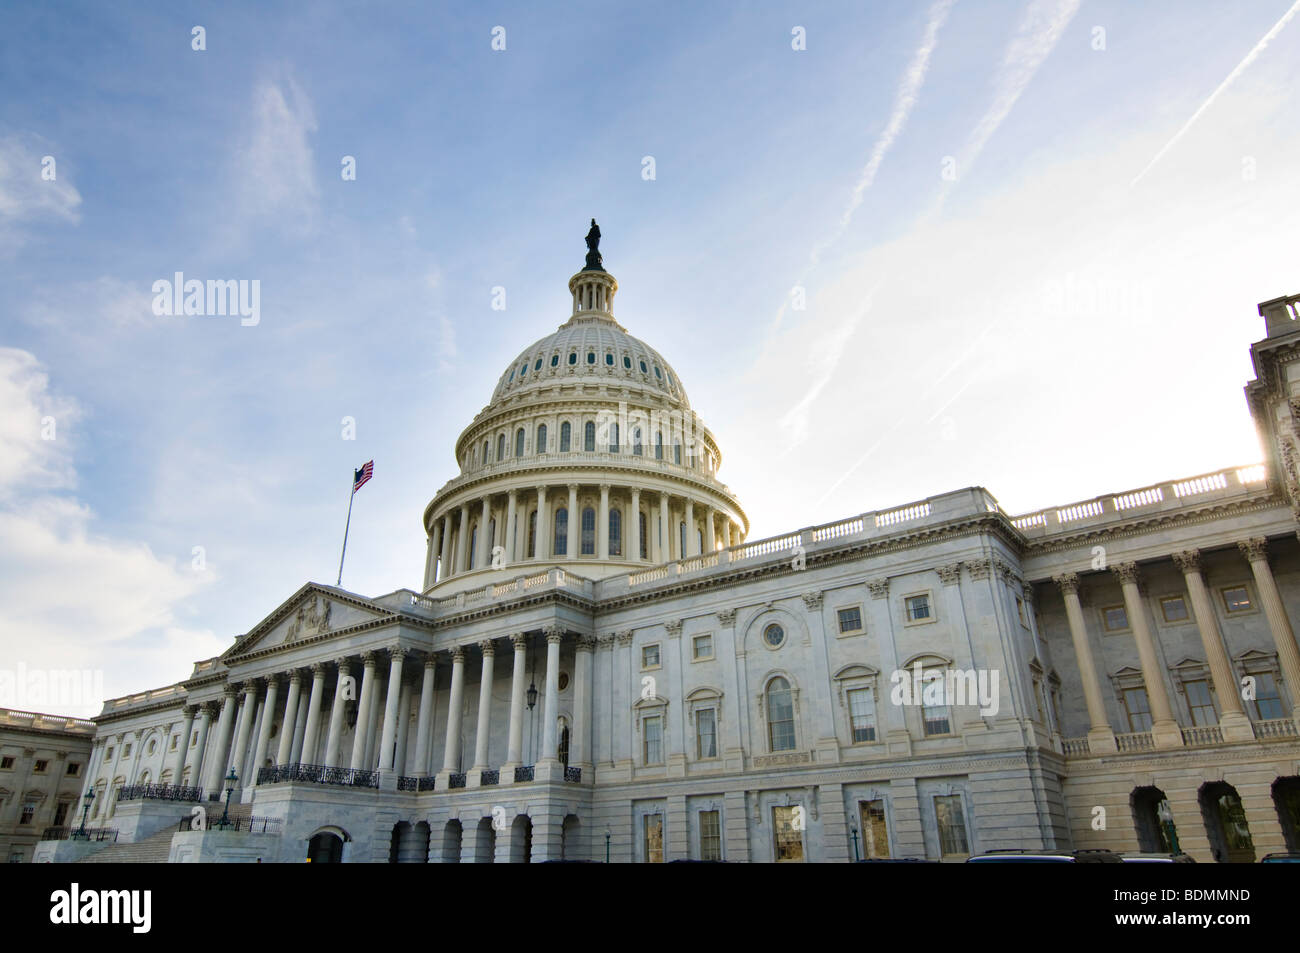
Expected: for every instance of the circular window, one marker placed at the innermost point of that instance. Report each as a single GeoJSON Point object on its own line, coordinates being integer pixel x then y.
{"type": "Point", "coordinates": [774, 636]}
{"type": "Point", "coordinates": [564, 680]}
{"type": "Point", "coordinates": [555, 360]}
{"type": "Point", "coordinates": [643, 370]}
{"type": "Point", "coordinates": [591, 357]}
{"type": "Point", "coordinates": [573, 357]}
{"type": "Point", "coordinates": [537, 365]}
{"type": "Point", "coordinates": [609, 359]}
{"type": "Point", "coordinates": [152, 746]}
{"type": "Point", "coordinates": [627, 362]}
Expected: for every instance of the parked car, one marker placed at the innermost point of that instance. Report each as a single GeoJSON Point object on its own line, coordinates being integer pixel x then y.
{"type": "Point", "coordinates": [1142, 858]}
{"type": "Point", "coordinates": [1284, 857]}
{"type": "Point", "coordinates": [1019, 856]}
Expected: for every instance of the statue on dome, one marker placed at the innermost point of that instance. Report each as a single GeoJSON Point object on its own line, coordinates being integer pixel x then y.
{"type": "Point", "coordinates": [594, 262]}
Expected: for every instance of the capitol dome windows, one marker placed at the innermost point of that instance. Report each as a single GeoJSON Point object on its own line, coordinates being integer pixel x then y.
{"type": "Point", "coordinates": [519, 442]}
{"type": "Point", "coordinates": [561, 531]}
{"type": "Point", "coordinates": [589, 532]}
{"type": "Point", "coordinates": [609, 360]}
{"type": "Point", "coordinates": [501, 447]}
{"type": "Point", "coordinates": [589, 437]}
{"type": "Point", "coordinates": [485, 453]}
{"type": "Point", "coordinates": [613, 438]}
{"type": "Point", "coordinates": [591, 357]}
{"type": "Point", "coordinates": [627, 362]}
{"type": "Point", "coordinates": [565, 434]}
{"type": "Point", "coordinates": [573, 357]}
{"type": "Point", "coordinates": [555, 360]}
{"type": "Point", "coordinates": [541, 438]}
{"type": "Point", "coordinates": [658, 373]}
{"type": "Point", "coordinates": [537, 365]}
{"type": "Point", "coordinates": [615, 533]}
{"type": "Point", "coordinates": [643, 368]}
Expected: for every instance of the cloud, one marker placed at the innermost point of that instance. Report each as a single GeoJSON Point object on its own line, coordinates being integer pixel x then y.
{"type": "Point", "coordinates": [27, 197]}
{"type": "Point", "coordinates": [69, 598]}
{"type": "Point", "coordinates": [105, 303]}
{"type": "Point", "coordinates": [276, 168]}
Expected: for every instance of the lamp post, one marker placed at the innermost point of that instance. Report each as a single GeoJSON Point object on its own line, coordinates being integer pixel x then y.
{"type": "Point", "coordinates": [89, 799]}
{"type": "Point", "coordinates": [607, 845]}
{"type": "Point", "coordinates": [854, 831]}
{"type": "Point", "coordinates": [231, 780]}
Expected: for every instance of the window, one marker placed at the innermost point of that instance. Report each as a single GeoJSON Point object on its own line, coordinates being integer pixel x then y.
{"type": "Point", "coordinates": [681, 532]}
{"type": "Point", "coordinates": [1200, 704]}
{"type": "Point", "coordinates": [588, 532]}
{"type": "Point", "coordinates": [774, 636]}
{"type": "Point", "coordinates": [541, 438]}
{"type": "Point", "coordinates": [172, 746]}
{"type": "Point", "coordinates": [654, 838]}
{"type": "Point", "coordinates": [41, 765]}
{"type": "Point", "coordinates": [109, 755]}
{"type": "Point", "coordinates": [677, 453]}
{"type": "Point", "coordinates": [918, 608]}
{"type": "Point", "coordinates": [537, 365]}
{"type": "Point", "coordinates": [875, 830]}
{"type": "Point", "coordinates": [126, 751]}
{"type": "Point", "coordinates": [1173, 608]}
{"type": "Point", "coordinates": [850, 620]}
{"type": "Point", "coordinates": [7, 762]}
{"type": "Point", "coordinates": [29, 812]}
{"type": "Point", "coordinates": [627, 362]}
{"type": "Point", "coordinates": [659, 445]}
{"type": "Point", "coordinates": [658, 373]}
{"type": "Point", "coordinates": [641, 533]}
{"type": "Point", "coordinates": [485, 453]}
{"type": "Point", "coordinates": [565, 433]}
{"type": "Point", "coordinates": [1236, 599]}
{"type": "Point", "coordinates": [74, 769]}
{"type": "Point", "coordinates": [1114, 618]}
{"type": "Point", "coordinates": [519, 442]}
{"type": "Point", "coordinates": [952, 825]}
{"type": "Point", "coordinates": [1139, 710]}
{"type": "Point", "coordinates": [650, 656]}
{"type": "Point", "coordinates": [573, 357]}
{"type": "Point", "coordinates": [1268, 702]}
{"type": "Point", "coordinates": [780, 715]}
{"type": "Point", "coordinates": [935, 717]}
{"type": "Point", "coordinates": [61, 814]}
{"type": "Point", "coordinates": [702, 647]}
{"type": "Point", "coordinates": [710, 836]}
{"type": "Point", "coordinates": [591, 357]}
{"type": "Point", "coordinates": [589, 437]}
{"type": "Point", "coordinates": [862, 715]}
{"type": "Point", "coordinates": [615, 533]}
{"type": "Point", "coordinates": [788, 841]}
{"type": "Point", "coordinates": [501, 446]}
{"type": "Point", "coordinates": [653, 743]}
{"type": "Point", "coordinates": [523, 368]}
{"type": "Point", "coordinates": [532, 533]}
{"type": "Point", "coordinates": [609, 360]}
{"type": "Point", "coordinates": [473, 540]}
{"type": "Point", "coordinates": [613, 438]}
{"type": "Point", "coordinates": [555, 360]}
{"type": "Point", "coordinates": [642, 367]}
{"type": "Point", "coordinates": [706, 733]}
{"type": "Point", "coordinates": [636, 441]}
{"type": "Point", "coordinates": [561, 532]}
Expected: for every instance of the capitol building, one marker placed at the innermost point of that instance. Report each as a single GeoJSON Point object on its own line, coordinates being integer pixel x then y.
{"type": "Point", "coordinates": [602, 664]}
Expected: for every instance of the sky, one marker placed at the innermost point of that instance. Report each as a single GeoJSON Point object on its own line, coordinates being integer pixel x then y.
{"type": "Point", "coordinates": [892, 249]}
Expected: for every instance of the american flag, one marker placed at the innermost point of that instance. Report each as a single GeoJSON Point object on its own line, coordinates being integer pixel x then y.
{"type": "Point", "coordinates": [362, 476]}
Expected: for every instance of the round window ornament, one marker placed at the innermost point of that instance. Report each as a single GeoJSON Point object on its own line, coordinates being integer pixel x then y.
{"type": "Point", "coordinates": [774, 636]}
{"type": "Point", "coordinates": [564, 680]}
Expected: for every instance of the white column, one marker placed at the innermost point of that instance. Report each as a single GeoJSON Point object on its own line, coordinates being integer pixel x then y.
{"type": "Point", "coordinates": [549, 741]}
{"type": "Point", "coordinates": [462, 539]}
{"type": "Point", "coordinates": [431, 560]}
{"type": "Point", "coordinates": [444, 564]}
{"type": "Point", "coordinates": [514, 751]}
{"type": "Point", "coordinates": [1101, 737]}
{"type": "Point", "coordinates": [692, 538]}
{"type": "Point", "coordinates": [1165, 732]}
{"type": "Point", "coordinates": [572, 545]}
{"type": "Point", "coordinates": [334, 740]}
{"type": "Point", "coordinates": [726, 532]}
{"type": "Point", "coordinates": [311, 733]}
{"type": "Point", "coordinates": [451, 756]}
{"type": "Point", "coordinates": [633, 549]}
{"type": "Point", "coordinates": [183, 746]}
{"type": "Point", "coordinates": [484, 706]}
{"type": "Point", "coordinates": [217, 763]}
{"type": "Point", "coordinates": [602, 523]}
{"type": "Point", "coordinates": [541, 550]}
{"type": "Point", "coordinates": [364, 711]}
{"type": "Point", "coordinates": [710, 539]}
{"type": "Point", "coordinates": [1288, 655]}
{"type": "Point", "coordinates": [511, 531]}
{"type": "Point", "coordinates": [200, 745]}
{"type": "Point", "coordinates": [290, 721]}
{"type": "Point", "coordinates": [247, 711]}
{"type": "Point", "coordinates": [584, 659]}
{"type": "Point", "coordinates": [485, 541]}
{"type": "Point", "coordinates": [666, 531]}
{"type": "Point", "coordinates": [264, 732]}
{"type": "Point", "coordinates": [424, 720]}
{"type": "Point", "coordinates": [391, 708]}
{"type": "Point", "coordinates": [1233, 721]}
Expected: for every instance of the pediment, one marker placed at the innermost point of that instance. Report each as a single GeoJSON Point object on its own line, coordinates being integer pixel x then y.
{"type": "Point", "coordinates": [311, 612]}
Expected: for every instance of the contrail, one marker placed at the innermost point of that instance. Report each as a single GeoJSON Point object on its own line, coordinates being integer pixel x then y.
{"type": "Point", "coordinates": [1241, 68]}
{"type": "Point", "coordinates": [904, 102]}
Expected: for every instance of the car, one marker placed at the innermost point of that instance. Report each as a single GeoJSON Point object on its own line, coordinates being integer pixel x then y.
{"type": "Point", "coordinates": [1145, 858]}
{"type": "Point", "coordinates": [896, 860]}
{"type": "Point", "coordinates": [1285, 857]}
{"type": "Point", "coordinates": [1022, 856]}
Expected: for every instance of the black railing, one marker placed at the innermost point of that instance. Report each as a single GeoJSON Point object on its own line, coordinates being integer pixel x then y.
{"type": "Point", "coordinates": [247, 825]}
{"type": "Point", "coordinates": [160, 792]}
{"type": "Point", "coordinates": [492, 776]}
{"type": "Point", "coordinates": [76, 833]}
{"type": "Point", "coordinates": [426, 783]}
{"type": "Point", "coordinates": [523, 773]}
{"type": "Point", "coordinates": [573, 774]}
{"type": "Point", "coordinates": [456, 780]}
{"type": "Point", "coordinates": [408, 784]}
{"type": "Point", "coordinates": [318, 774]}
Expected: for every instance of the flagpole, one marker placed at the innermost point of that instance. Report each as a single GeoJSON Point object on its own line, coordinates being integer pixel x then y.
{"type": "Point", "coordinates": [346, 527]}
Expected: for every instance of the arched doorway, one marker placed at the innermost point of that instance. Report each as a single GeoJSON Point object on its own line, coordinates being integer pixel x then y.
{"type": "Point", "coordinates": [1225, 824]}
{"type": "Point", "coordinates": [410, 843]}
{"type": "Point", "coordinates": [401, 830]}
{"type": "Point", "coordinates": [1153, 821]}
{"type": "Point", "coordinates": [1286, 798]}
{"type": "Point", "coordinates": [451, 835]}
{"type": "Point", "coordinates": [325, 848]}
{"type": "Point", "coordinates": [571, 847]}
{"type": "Point", "coordinates": [485, 842]}
{"type": "Point", "coordinates": [521, 840]}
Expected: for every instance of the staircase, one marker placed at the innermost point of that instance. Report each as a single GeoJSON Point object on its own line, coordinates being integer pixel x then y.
{"type": "Point", "coordinates": [155, 848]}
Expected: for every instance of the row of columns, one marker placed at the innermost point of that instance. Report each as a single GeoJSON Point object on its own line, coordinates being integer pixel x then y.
{"type": "Point", "coordinates": [445, 559]}
{"type": "Point", "coordinates": [1233, 720]}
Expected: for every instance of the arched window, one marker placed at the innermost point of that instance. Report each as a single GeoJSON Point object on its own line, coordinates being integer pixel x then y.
{"type": "Point", "coordinates": [588, 532]}
{"type": "Point", "coordinates": [681, 553]}
{"type": "Point", "coordinates": [473, 538]}
{"type": "Point", "coordinates": [659, 445]}
{"type": "Point", "coordinates": [519, 442]}
{"type": "Point", "coordinates": [541, 438]}
{"type": "Point", "coordinates": [565, 432]}
{"type": "Point", "coordinates": [613, 438]}
{"type": "Point", "coordinates": [615, 533]}
{"type": "Point", "coordinates": [485, 453]}
{"type": "Point", "coordinates": [780, 715]}
{"type": "Point", "coordinates": [561, 532]}
{"type": "Point", "coordinates": [641, 524]}
{"type": "Point", "coordinates": [492, 535]}
{"type": "Point", "coordinates": [677, 453]}
{"type": "Point", "coordinates": [589, 436]}
{"type": "Point", "coordinates": [703, 551]}
{"type": "Point", "coordinates": [636, 441]}
{"type": "Point", "coordinates": [501, 446]}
